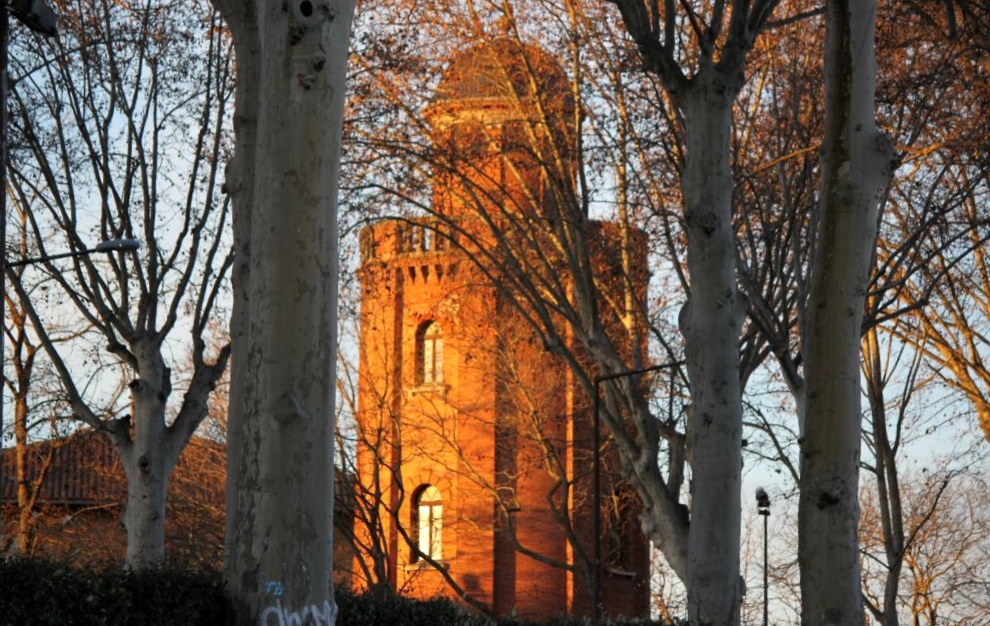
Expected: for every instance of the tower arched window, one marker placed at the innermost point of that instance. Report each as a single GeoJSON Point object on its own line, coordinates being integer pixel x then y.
{"type": "Point", "coordinates": [428, 522]}
{"type": "Point", "coordinates": [429, 353]}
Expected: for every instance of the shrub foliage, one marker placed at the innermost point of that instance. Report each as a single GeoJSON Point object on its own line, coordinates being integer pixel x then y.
{"type": "Point", "coordinates": [42, 593]}
{"type": "Point", "coordinates": [39, 593]}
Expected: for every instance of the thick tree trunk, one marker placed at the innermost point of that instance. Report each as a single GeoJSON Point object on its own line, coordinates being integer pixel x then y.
{"type": "Point", "coordinates": [149, 448]}
{"type": "Point", "coordinates": [144, 513]}
{"type": "Point", "coordinates": [711, 326]}
{"type": "Point", "coordinates": [147, 454]}
{"type": "Point", "coordinates": [242, 432]}
{"type": "Point", "coordinates": [284, 182]}
{"type": "Point", "coordinates": [856, 165]}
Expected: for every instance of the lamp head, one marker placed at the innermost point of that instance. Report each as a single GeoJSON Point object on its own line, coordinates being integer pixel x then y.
{"type": "Point", "coordinates": [117, 245]}
{"type": "Point", "coordinates": [36, 15]}
{"type": "Point", "coordinates": [762, 499]}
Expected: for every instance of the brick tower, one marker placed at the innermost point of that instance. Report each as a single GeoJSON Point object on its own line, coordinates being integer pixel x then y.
{"type": "Point", "coordinates": [474, 442]}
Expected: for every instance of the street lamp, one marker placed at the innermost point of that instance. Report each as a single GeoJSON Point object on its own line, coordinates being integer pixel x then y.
{"type": "Point", "coordinates": [597, 471]}
{"type": "Point", "coordinates": [39, 17]}
{"type": "Point", "coordinates": [763, 508]}
{"type": "Point", "coordinates": [108, 246]}
{"type": "Point", "coordinates": [36, 15]}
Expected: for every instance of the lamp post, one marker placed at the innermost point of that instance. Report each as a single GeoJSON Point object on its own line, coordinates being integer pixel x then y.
{"type": "Point", "coordinates": [39, 17]}
{"type": "Point", "coordinates": [597, 471]}
{"type": "Point", "coordinates": [763, 508]}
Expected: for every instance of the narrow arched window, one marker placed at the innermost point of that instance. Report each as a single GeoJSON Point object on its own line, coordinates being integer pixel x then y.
{"type": "Point", "coordinates": [428, 522]}
{"type": "Point", "coordinates": [429, 353]}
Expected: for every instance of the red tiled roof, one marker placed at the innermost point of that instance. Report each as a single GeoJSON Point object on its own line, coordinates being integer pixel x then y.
{"type": "Point", "coordinates": [85, 471]}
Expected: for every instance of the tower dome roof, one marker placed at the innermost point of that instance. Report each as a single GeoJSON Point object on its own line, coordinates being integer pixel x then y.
{"type": "Point", "coordinates": [504, 71]}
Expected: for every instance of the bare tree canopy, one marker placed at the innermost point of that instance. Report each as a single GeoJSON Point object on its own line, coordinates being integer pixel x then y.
{"type": "Point", "coordinates": [119, 131]}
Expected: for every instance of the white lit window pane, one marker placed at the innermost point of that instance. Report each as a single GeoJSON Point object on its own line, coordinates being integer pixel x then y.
{"type": "Point", "coordinates": [429, 521]}
{"type": "Point", "coordinates": [428, 360]}
{"type": "Point", "coordinates": [436, 526]}
{"type": "Point", "coordinates": [430, 353]}
{"type": "Point", "coordinates": [424, 529]}
{"type": "Point", "coordinates": [438, 359]}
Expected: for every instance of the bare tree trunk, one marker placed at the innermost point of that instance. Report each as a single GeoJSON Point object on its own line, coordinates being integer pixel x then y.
{"type": "Point", "coordinates": [23, 359]}
{"type": "Point", "coordinates": [856, 166]}
{"type": "Point", "coordinates": [291, 70]}
{"type": "Point", "coordinates": [149, 448]}
{"type": "Point", "coordinates": [147, 462]}
{"type": "Point", "coordinates": [242, 433]}
{"type": "Point", "coordinates": [888, 481]}
{"type": "Point", "coordinates": [711, 325]}
{"type": "Point", "coordinates": [704, 91]}
{"type": "Point", "coordinates": [144, 514]}
{"type": "Point", "coordinates": [25, 506]}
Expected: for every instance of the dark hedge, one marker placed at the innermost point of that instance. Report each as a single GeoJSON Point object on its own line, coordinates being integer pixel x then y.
{"type": "Point", "coordinates": [39, 593]}
{"type": "Point", "coordinates": [35, 592]}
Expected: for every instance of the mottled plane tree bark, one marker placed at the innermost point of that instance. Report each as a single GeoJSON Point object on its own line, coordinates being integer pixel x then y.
{"type": "Point", "coordinates": [857, 165]}
{"type": "Point", "coordinates": [702, 70]}
{"type": "Point", "coordinates": [291, 60]}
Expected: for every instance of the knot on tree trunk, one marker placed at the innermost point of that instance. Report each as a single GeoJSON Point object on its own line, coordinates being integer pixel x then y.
{"type": "Point", "coordinates": [311, 12]}
{"type": "Point", "coordinates": [290, 407]}
{"type": "Point", "coordinates": [705, 221]}
{"type": "Point", "coordinates": [142, 387]}
{"type": "Point", "coordinates": [232, 184]}
{"type": "Point", "coordinates": [307, 16]}
{"type": "Point", "coordinates": [831, 494]}
{"type": "Point", "coordinates": [684, 318]}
